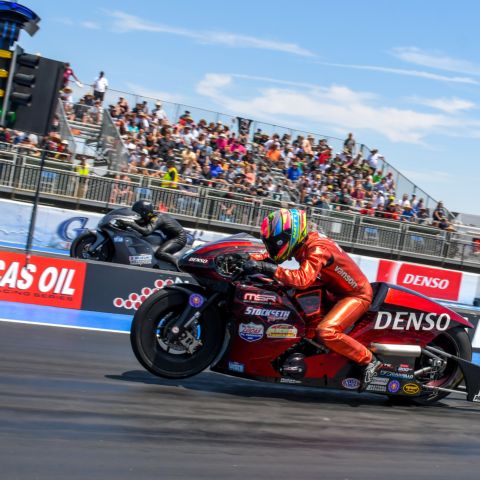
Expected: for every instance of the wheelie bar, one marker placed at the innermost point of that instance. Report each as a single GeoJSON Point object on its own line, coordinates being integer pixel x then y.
{"type": "Point", "coordinates": [471, 374]}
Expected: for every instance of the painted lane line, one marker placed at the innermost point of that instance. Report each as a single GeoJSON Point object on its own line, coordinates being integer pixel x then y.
{"type": "Point", "coordinates": [44, 324]}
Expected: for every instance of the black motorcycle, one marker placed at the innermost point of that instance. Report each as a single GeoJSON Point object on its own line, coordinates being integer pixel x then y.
{"type": "Point", "coordinates": [114, 241]}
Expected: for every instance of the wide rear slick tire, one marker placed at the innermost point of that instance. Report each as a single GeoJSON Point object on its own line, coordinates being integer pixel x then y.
{"type": "Point", "coordinates": [152, 354]}
{"type": "Point", "coordinates": [456, 342]}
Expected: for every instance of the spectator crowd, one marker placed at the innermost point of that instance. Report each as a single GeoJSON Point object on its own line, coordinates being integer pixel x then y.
{"type": "Point", "coordinates": [187, 154]}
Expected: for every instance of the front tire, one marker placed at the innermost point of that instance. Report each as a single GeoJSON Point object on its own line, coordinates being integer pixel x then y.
{"type": "Point", "coordinates": [166, 359]}
{"type": "Point", "coordinates": [81, 246]}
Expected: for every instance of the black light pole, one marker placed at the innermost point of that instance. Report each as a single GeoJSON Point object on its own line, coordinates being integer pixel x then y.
{"type": "Point", "coordinates": [13, 19]}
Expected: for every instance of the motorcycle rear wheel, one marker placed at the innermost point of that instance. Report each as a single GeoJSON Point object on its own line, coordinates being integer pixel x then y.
{"type": "Point", "coordinates": [156, 354]}
{"type": "Point", "coordinates": [455, 342]}
{"type": "Point", "coordinates": [83, 242]}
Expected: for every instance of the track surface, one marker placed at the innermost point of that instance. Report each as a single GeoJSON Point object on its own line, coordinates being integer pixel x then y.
{"type": "Point", "coordinates": [75, 404]}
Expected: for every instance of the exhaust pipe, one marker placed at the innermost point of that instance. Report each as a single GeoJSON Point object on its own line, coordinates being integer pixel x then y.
{"type": "Point", "coordinates": [392, 350]}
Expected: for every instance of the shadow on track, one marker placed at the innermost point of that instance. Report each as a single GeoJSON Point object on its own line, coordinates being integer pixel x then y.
{"type": "Point", "coordinates": [221, 384]}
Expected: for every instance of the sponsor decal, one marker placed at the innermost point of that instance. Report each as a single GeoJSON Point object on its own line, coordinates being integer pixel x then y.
{"type": "Point", "coordinates": [289, 380]}
{"type": "Point", "coordinates": [236, 367]}
{"type": "Point", "coordinates": [411, 389]}
{"type": "Point", "coordinates": [282, 330]}
{"type": "Point", "coordinates": [342, 273]}
{"type": "Point", "coordinates": [143, 259]}
{"type": "Point", "coordinates": [390, 374]}
{"type": "Point", "coordinates": [403, 368]}
{"type": "Point", "coordinates": [195, 300]}
{"type": "Point", "coordinates": [117, 239]}
{"type": "Point", "coordinates": [393, 386]}
{"type": "Point", "coordinates": [250, 332]}
{"type": "Point", "coordinates": [371, 387]}
{"type": "Point", "coordinates": [433, 282]}
{"type": "Point", "coordinates": [351, 383]}
{"type": "Point", "coordinates": [259, 297]}
{"type": "Point", "coordinates": [134, 299]}
{"type": "Point", "coordinates": [379, 381]}
{"type": "Point", "coordinates": [198, 260]}
{"type": "Point", "coordinates": [44, 281]}
{"type": "Point", "coordinates": [266, 312]}
{"type": "Point", "coordinates": [412, 321]}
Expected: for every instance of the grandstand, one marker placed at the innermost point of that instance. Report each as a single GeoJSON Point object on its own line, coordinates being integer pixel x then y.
{"type": "Point", "coordinates": [202, 167]}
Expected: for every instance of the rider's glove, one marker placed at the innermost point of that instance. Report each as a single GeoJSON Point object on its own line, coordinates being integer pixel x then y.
{"type": "Point", "coordinates": [252, 267]}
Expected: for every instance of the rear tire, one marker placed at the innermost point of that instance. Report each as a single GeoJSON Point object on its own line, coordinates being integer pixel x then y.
{"type": "Point", "coordinates": [153, 351]}
{"type": "Point", "coordinates": [456, 342]}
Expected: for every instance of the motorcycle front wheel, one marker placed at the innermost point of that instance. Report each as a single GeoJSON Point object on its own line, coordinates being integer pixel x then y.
{"type": "Point", "coordinates": [81, 248]}
{"type": "Point", "coordinates": [185, 356]}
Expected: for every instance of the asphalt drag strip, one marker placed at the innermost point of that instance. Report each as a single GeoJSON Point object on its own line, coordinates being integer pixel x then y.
{"type": "Point", "coordinates": [76, 404]}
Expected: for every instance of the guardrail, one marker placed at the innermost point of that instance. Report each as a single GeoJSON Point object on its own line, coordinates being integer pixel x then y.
{"type": "Point", "coordinates": [212, 208]}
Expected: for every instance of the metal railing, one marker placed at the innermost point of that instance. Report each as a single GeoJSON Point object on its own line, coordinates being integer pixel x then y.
{"type": "Point", "coordinates": [174, 110]}
{"type": "Point", "coordinates": [212, 208]}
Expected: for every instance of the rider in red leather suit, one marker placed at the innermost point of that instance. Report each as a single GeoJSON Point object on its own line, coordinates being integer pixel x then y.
{"type": "Point", "coordinates": [320, 258]}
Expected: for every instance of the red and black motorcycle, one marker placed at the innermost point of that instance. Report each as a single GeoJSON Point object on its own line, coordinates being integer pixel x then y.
{"type": "Point", "coordinates": [253, 327]}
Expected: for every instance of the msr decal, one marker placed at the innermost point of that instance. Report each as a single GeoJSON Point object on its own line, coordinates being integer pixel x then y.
{"type": "Point", "coordinates": [266, 312]}
{"type": "Point", "coordinates": [282, 330]}
{"type": "Point", "coordinates": [250, 332]}
{"type": "Point", "coordinates": [412, 321]}
{"type": "Point", "coordinates": [259, 297]}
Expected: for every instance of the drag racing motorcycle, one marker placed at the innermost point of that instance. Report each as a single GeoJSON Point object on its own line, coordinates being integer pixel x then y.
{"type": "Point", "coordinates": [250, 326]}
{"type": "Point", "coordinates": [113, 241]}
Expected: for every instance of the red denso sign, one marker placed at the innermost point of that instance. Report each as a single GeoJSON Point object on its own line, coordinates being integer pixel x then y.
{"type": "Point", "coordinates": [430, 281]}
{"type": "Point", "coordinates": [44, 281]}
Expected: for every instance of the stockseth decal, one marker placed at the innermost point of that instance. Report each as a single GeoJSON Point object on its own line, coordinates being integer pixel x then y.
{"type": "Point", "coordinates": [266, 312]}
{"type": "Point", "coordinates": [393, 386]}
{"type": "Point", "coordinates": [236, 367]}
{"type": "Point", "coordinates": [282, 330]}
{"type": "Point", "coordinates": [251, 297]}
{"type": "Point", "coordinates": [411, 389]}
{"type": "Point", "coordinates": [250, 332]}
{"type": "Point", "coordinates": [351, 383]}
{"type": "Point", "coordinates": [198, 260]}
{"type": "Point", "coordinates": [412, 321]}
{"type": "Point", "coordinates": [140, 259]}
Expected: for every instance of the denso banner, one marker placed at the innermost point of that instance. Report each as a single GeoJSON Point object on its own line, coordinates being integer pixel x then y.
{"type": "Point", "coordinates": [44, 281]}
{"type": "Point", "coordinates": [433, 282]}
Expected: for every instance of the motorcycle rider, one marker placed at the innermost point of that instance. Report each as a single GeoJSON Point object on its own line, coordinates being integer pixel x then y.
{"type": "Point", "coordinates": [150, 221]}
{"type": "Point", "coordinates": [285, 235]}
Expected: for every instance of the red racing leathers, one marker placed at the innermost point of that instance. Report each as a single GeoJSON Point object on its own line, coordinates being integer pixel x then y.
{"type": "Point", "coordinates": [320, 258]}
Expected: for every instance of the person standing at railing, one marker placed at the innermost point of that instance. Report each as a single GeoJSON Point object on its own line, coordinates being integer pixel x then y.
{"type": "Point", "coordinates": [100, 85]}
{"type": "Point", "coordinates": [67, 74]}
{"type": "Point", "coordinates": [82, 170]}
{"type": "Point", "coordinates": [170, 179]}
